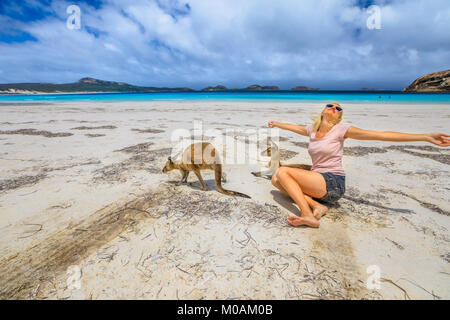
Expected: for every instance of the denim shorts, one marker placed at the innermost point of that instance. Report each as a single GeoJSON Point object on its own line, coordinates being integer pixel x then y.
{"type": "Point", "coordinates": [335, 187]}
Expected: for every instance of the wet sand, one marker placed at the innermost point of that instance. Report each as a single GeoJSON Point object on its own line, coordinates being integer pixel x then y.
{"type": "Point", "coordinates": [81, 185]}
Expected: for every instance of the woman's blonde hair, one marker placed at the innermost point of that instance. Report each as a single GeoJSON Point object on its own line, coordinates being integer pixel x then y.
{"type": "Point", "coordinates": [318, 119]}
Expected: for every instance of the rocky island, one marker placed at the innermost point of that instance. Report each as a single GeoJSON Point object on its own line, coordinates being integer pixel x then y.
{"type": "Point", "coordinates": [256, 87]}
{"type": "Point", "coordinates": [303, 88]}
{"type": "Point", "coordinates": [432, 82]}
{"type": "Point", "coordinates": [216, 88]}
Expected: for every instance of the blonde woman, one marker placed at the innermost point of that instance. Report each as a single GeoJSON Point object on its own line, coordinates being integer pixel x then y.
{"type": "Point", "coordinates": [326, 180]}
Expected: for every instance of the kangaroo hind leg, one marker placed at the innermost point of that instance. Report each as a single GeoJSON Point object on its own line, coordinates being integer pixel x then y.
{"type": "Point", "coordinates": [199, 176]}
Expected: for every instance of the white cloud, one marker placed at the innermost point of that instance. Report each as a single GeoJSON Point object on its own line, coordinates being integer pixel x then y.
{"type": "Point", "coordinates": [320, 43]}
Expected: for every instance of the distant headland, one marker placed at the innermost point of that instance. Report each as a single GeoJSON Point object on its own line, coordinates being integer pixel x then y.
{"type": "Point", "coordinates": [82, 85]}
{"type": "Point", "coordinates": [91, 85]}
{"type": "Point", "coordinates": [432, 82]}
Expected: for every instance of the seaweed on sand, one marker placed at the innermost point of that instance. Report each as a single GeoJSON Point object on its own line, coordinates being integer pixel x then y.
{"type": "Point", "coordinates": [94, 135]}
{"type": "Point", "coordinates": [34, 132]}
{"type": "Point", "coordinates": [94, 128]}
{"type": "Point", "coordinates": [143, 158]}
{"type": "Point", "coordinates": [11, 184]}
{"type": "Point", "coordinates": [148, 130]}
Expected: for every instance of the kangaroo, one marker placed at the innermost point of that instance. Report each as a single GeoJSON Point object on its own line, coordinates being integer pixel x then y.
{"type": "Point", "coordinates": [201, 156]}
{"type": "Point", "coordinates": [274, 153]}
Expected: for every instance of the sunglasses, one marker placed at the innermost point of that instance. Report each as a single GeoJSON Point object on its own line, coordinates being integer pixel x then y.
{"type": "Point", "coordinates": [332, 105]}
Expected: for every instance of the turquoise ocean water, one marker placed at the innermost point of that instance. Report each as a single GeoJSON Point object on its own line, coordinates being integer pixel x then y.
{"type": "Point", "coordinates": [321, 96]}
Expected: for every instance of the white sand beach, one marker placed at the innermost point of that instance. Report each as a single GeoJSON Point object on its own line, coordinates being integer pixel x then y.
{"type": "Point", "coordinates": [81, 185]}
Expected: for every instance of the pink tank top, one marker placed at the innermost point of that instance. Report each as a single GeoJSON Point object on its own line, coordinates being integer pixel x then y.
{"type": "Point", "coordinates": [326, 152]}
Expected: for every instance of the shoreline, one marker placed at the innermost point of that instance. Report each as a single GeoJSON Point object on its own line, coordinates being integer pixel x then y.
{"type": "Point", "coordinates": [299, 103]}
{"type": "Point", "coordinates": [323, 101]}
{"type": "Point", "coordinates": [318, 91]}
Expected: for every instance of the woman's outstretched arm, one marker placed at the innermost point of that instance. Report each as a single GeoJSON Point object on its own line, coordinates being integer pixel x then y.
{"type": "Point", "coordinates": [291, 127]}
{"type": "Point", "coordinates": [437, 138]}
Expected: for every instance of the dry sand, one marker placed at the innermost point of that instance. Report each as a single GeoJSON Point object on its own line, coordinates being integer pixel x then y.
{"type": "Point", "coordinates": [81, 185]}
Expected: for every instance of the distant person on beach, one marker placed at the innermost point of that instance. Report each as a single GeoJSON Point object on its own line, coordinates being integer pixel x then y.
{"type": "Point", "coordinates": [325, 181]}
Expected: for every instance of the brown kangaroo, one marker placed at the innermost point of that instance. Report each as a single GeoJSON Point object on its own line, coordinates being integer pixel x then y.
{"type": "Point", "coordinates": [201, 156]}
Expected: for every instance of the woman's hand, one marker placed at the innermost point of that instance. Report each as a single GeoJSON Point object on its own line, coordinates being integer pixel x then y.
{"type": "Point", "coordinates": [272, 124]}
{"type": "Point", "coordinates": [439, 139]}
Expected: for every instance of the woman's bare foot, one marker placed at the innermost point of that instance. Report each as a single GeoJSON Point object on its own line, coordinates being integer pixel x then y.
{"type": "Point", "coordinates": [319, 211]}
{"type": "Point", "coordinates": [299, 221]}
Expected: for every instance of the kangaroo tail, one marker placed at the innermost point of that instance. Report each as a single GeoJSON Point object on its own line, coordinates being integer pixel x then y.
{"type": "Point", "coordinates": [218, 177]}
{"type": "Point", "coordinates": [232, 193]}
{"type": "Point", "coordinates": [235, 193]}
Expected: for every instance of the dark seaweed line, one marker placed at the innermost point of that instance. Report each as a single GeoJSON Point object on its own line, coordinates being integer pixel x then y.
{"type": "Point", "coordinates": [424, 204]}
{"type": "Point", "coordinates": [34, 132]}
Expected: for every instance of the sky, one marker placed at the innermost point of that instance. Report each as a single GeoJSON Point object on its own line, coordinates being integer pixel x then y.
{"type": "Point", "coordinates": [326, 44]}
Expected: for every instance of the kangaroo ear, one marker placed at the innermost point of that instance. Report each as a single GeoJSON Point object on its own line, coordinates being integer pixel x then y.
{"type": "Point", "coordinates": [170, 159]}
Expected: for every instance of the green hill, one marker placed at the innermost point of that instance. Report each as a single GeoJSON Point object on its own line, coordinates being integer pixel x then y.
{"type": "Point", "coordinates": [85, 85]}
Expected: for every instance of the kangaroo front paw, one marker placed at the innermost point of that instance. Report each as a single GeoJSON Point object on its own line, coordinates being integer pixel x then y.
{"type": "Point", "coordinates": [256, 174]}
